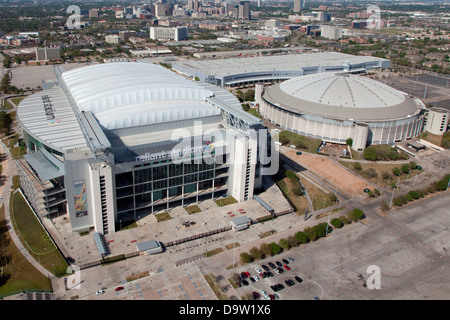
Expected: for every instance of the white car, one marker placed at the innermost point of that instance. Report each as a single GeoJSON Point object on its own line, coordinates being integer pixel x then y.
{"type": "Point", "coordinates": [256, 278]}
{"type": "Point", "coordinates": [100, 292]}
{"type": "Point", "coordinates": [263, 292]}
{"type": "Point", "coordinates": [276, 271]}
{"type": "Point", "coordinates": [258, 270]}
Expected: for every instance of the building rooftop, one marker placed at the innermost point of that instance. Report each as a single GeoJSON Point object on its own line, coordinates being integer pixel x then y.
{"type": "Point", "coordinates": [344, 97]}
{"type": "Point", "coordinates": [288, 62]}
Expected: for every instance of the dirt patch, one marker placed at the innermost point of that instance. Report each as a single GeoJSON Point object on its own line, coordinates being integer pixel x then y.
{"type": "Point", "coordinates": [327, 169]}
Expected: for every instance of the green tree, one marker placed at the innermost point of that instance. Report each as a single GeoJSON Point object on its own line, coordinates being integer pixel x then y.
{"type": "Point", "coordinates": [357, 166]}
{"type": "Point", "coordinates": [337, 223]}
{"type": "Point", "coordinates": [370, 154]}
{"type": "Point", "coordinates": [321, 229]}
{"type": "Point", "coordinates": [293, 242]}
{"type": "Point", "coordinates": [284, 244]}
{"type": "Point", "coordinates": [245, 257]}
{"type": "Point", "coordinates": [301, 237]}
{"type": "Point", "coordinates": [276, 249]}
{"type": "Point", "coordinates": [265, 249]}
{"type": "Point", "coordinates": [311, 233]}
{"type": "Point", "coordinates": [349, 142]}
{"type": "Point", "coordinates": [405, 168]}
{"type": "Point", "coordinates": [359, 214]}
{"type": "Point", "coordinates": [396, 171]}
{"type": "Point", "coordinates": [255, 253]}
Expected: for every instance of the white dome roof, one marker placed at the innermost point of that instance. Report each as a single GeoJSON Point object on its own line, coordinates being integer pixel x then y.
{"type": "Point", "coordinates": [342, 90]}
{"type": "Point", "coordinates": [126, 94]}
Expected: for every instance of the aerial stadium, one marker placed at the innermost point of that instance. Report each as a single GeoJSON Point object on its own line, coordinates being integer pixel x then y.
{"type": "Point", "coordinates": [118, 141]}
{"type": "Point", "coordinates": [335, 107]}
{"type": "Point", "coordinates": [267, 69]}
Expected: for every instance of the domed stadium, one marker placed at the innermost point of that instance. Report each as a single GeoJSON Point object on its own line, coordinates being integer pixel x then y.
{"type": "Point", "coordinates": [335, 107]}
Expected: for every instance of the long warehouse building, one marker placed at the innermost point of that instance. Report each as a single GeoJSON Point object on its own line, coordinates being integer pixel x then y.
{"type": "Point", "coordinates": [117, 141]}
{"type": "Point", "coordinates": [265, 69]}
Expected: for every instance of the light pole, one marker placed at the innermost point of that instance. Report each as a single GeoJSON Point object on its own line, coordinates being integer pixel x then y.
{"type": "Point", "coordinates": [392, 197]}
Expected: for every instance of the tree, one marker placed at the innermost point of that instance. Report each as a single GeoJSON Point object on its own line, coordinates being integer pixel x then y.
{"type": "Point", "coordinates": [311, 233]}
{"type": "Point", "coordinates": [293, 242]}
{"type": "Point", "coordinates": [357, 166]}
{"type": "Point", "coordinates": [276, 249]}
{"type": "Point", "coordinates": [337, 223]}
{"type": "Point", "coordinates": [265, 249]}
{"type": "Point", "coordinates": [283, 244]}
{"type": "Point", "coordinates": [370, 154]}
{"type": "Point", "coordinates": [249, 95]}
{"type": "Point", "coordinates": [245, 257]}
{"type": "Point", "coordinates": [349, 142]}
{"type": "Point", "coordinates": [359, 214]}
{"type": "Point", "coordinates": [5, 121]}
{"type": "Point", "coordinates": [301, 237]}
{"type": "Point", "coordinates": [321, 229]}
{"type": "Point", "coordinates": [405, 168]}
{"type": "Point", "coordinates": [255, 253]}
{"type": "Point", "coordinates": [396, 171]}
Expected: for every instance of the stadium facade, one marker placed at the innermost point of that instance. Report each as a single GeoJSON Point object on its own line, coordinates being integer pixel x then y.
{"type": "Point", "coordinates": [335, 107]}
{"type": "Point", "coordinates": [117, 141]}
{"type": "Point", "coordinates": [266, 69]}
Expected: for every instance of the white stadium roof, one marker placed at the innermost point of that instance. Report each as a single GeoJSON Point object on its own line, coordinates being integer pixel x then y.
{"type": "Point", "coordinates": [129, 94]}
{"type": "Point", "coordinates": [342, 96]}
{"type": "Point", "coordinates": [342, 90]}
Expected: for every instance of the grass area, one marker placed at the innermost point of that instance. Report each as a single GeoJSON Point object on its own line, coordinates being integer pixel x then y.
{"type": "Point", "coordinates": [232, 245]}
{"type": "Point", "coordinates": [267, 234]}
{"type": "Point", "coordinates": [137, 276]}
{"type": "Point", "coordinates": [126, 225]}
{"type": "Point", "coordinates": [34, 237]}
{"type": "Point", "coordinates": [301, 142]}
{"type": "Point", "coordinates": [225, 201]}
{"type": "Point", "coordinates": [213, 252]}
{"type": "Point", "coordinates": [19, 274]}
{"type": "Point", "coordinates": [380, 174]}
{"type": "Point", "coordinates": [162, 216]}
{"type": "Point", "coordinates": [210, 280]}
{"type": "Point", "coordinates": [193, 209]}
{"type": "Point", "coordinates": [298, 202]}
{"type": "Point", "coordinates": [17, 100]}
{"type": "Point", "coordinates": [255, 112]}
{"type": "Point", "coordinates": [319, 198]}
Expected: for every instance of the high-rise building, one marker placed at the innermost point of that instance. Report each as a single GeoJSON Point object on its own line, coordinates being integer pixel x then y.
{"type": "Point", "coordinates": [244, 10]}
{"type": "Point", "coordinates": [297, 5]}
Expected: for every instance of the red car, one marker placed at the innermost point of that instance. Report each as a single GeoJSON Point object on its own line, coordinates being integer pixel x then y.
{"type": "Point", "coordinates": [287, 268]}
{"type": "Point", "coordinates": [119, 288]}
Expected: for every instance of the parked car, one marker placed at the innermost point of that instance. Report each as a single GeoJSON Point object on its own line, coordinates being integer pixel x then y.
{"type": "Point", "coordinates": [265, 267]}
{"type": "Point", "coordinates": [256, 295]}
{"type": "Point", "coordinates": [292, 259]}
{"type": "Point", "coordinates": [252, 280]}
{"type": "Point", "coordinates": [258, 270]}
{"type": "Point", "coordinates": [119, 288]}
{"type": "Point", "coordinates": [277, 271]}
{"type": "Point", "coordinates": [279, 263]}
{"type": "Point", "coordinates": [289, 282]}
{"type": "Point", "coordinates": [272, 265]}
{"type": "Point", "coordinates": [255, 278]}
{"type": "Point", "coordinates": [100, 292]}
{"type": "Point", "coordinates": [286, 267]}
{"type": "Point", "coordinates": [245, 282]}
{"type": "Point", "coordinates": [285, 261]}
{"type": "Point", "coordinates": [299, 280]}
{"type": "Point", "coordinates": [280, 270]}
